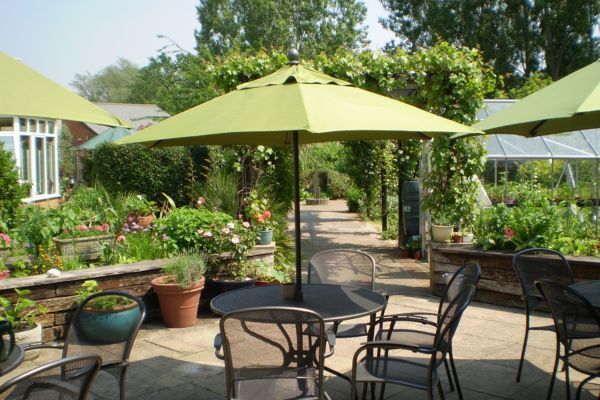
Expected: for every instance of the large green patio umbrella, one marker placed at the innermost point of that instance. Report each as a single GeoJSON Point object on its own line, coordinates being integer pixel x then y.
{"type": "Point", "coordinates": [109, 135]}
{"type": "Point", "coordinates": [569, 104]}
{"type": "Point", "coordinates": [25, 92]}
{"type": "Point", "coordinates": [295, 105]}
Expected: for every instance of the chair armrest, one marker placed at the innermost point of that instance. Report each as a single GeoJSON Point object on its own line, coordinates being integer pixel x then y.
{"type": "Point", "coordinates": [408, 317]}
{"type": "Point", "coordinates": [218, 344]}
{"type": "Point", "coordinates": [395, 345]}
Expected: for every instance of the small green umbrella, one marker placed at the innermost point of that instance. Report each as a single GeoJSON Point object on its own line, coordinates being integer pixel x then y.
{"type": "Point", "coordinates": [570, 104]}
{"type": "Point", "coordinates": [291, 106]}
{"type": "Point", "coordinates": [108, 135]}
{"type": "Point", "coordinates": [28, 93]}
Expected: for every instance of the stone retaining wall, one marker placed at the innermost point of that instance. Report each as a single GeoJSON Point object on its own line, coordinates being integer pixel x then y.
{"type": "Point", "coordinates": [499, 283]}
{"type": "Point", "coordinates": [58, 295]}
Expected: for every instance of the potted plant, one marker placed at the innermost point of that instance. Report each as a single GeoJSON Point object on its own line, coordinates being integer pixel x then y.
{"type": "Point", "coordinates": [84, 241]}
{"type": "Point", "coordinates": [261, 218]}
{"type": "Point", "coordinates": [140, 211]}
{"type": "Point", "coordinates": [414, 247]}
{"type": "Point", "coordinates": [22, 316]}
{"type": "Point", "coordinates": [106, 319]}
{"type": "Point", "coordinates": [179, 290]}
{"type": "Point", "coordinates": [265, 274]}
{"type": "Point", "coordinates": [457, 237]}
{"type": "Point", "coordinates": [441, 226]}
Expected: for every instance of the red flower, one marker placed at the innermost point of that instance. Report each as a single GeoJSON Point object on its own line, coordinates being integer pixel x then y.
{"type": "Point", "coordinates": [509, 234]}
{"type": "Point", "coordinates": [266, 214]}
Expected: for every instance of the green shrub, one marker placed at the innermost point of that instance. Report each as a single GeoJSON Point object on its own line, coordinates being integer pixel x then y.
{"type": "Point", "coordinates": [135, 168]}
{"type": "Point", "coordinates": [11, 191]}
{"type": "Point", "coordinates": [338, 184]}
{"type": "Point", "coordinates": [354, 199]}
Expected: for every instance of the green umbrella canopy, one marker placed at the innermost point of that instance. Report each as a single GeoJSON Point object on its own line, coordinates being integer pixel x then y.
{"type": "Point", "coordinates": [569, 104]}
{"type": "Point", "coordinates": [320, 108]}
{"type": "Point", "coordinates": [108, 135]}
{"type": "Point", "coordinates": [30, 94]}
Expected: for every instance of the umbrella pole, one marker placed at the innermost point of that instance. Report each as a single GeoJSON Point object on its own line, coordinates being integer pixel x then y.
{"type": "Point", "coordinates": [298, 292]}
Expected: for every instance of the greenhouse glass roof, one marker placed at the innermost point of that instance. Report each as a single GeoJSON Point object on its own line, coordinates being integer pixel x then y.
{"type": "Point", "coordinates": [570, 145]}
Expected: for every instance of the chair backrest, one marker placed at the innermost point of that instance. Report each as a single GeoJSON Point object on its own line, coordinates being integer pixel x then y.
{"type": "Point", "coordinates": [448, 321]}
{"type": "Point", "coordinates": [574, 317]}
{"type": "Point", "coordinates": [343, 267]}
{"type": "Point", "coordinates": [468, 274]}
{"type": "Point", "coordinates": [110, 335]}
{"type": "Point", "coordinates": [541, 264]}
{"type": "Point", "coordinates": [271, 343]}
{"type": "Point", "coordinates": [68, 378]}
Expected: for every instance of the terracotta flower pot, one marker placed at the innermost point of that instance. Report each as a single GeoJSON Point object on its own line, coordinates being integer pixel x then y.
{"type": "Point", "coordinates": [179, 307]}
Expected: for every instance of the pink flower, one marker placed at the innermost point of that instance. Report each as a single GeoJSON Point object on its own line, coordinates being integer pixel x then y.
{"type": "Point", "coordinates": [235, 239]}
{"type": "Point", "coordinates": [201, 200]}
{"type": "Point", "coordinates": [266, 214]}
{"type": "Point", "coordinates": [207, 234]}
{"type": "Point", "coordinates": [103, 228]}
{"type": "Point", "coordinates": [82, 228]}
{"type": "Point", "coordinates": [165, 237]}
{"type": "Point", "coordinates": [261, 220]}
{"type": "Point", "coordinates": [230, 225]}
{"type": "Point", "coordinates": [509, 234]}
{"type": "Point", "coordinates": [246, 224]}
{"type": "Point", "coordinates": [121, 238]}
{"type": "Point", "coordinates": [225, 231]}
{"type": "Point", "coordinates": [6, 238]}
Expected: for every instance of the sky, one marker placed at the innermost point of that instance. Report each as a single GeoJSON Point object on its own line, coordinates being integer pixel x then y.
{"type": "Point", "coordinates": [60, 38]}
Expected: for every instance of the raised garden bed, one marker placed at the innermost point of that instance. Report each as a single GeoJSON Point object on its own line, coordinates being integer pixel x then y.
{"type": "Point", "coordinates": [499, 284]}
{"type": "Point", "coordinates": [58, 294]}
{"type": "Point", "coordinates": [86, 248]}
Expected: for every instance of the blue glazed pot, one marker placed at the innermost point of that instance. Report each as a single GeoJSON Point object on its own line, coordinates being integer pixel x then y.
{"type": "Point", "coordinates": [265, 237]}
{"type": "Point", "coordinates": [109, 326]}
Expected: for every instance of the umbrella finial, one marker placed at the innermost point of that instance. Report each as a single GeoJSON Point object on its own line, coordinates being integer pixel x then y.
{"type": "Point", "coordinates": [293, 57]}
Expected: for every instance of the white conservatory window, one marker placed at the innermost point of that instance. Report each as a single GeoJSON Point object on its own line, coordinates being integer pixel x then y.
{"type": "Point", "coordinates": [34, 146]}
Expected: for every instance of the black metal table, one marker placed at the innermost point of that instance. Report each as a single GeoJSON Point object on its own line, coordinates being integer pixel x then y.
{"type": "Point", "coordinates": [335, 303]}
{"type": "Point", "coordinates": [590, 290]}
{"type": "Point", "coordinates": [13, 361]}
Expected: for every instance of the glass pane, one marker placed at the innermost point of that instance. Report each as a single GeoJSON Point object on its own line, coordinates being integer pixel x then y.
{"type": "Point", "coordinates": [51, 157]}
{"type": "Point", "coordinates": [32, 125]}
{"type": "Point", "coordinates": [6, 124]}
{"type": "Point", "coordinates": [8, 144]}
{"type": "Point", "coordinates": [25, 159]}
{"type": "Point", "coordinates": [42, 126]}
{"type": "Point", "coordinates": [50, 126]}
{"type": "Point", "coordinates": [22, 125]}
{"type": "Point", "coordinates": [40, 166]}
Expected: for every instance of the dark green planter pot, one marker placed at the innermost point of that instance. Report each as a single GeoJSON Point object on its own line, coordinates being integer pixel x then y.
{"type": "Point", "coordinates": [225, 285]}
{"type": "Point", "coordinates": [109, 326]}
{"type": "Point", "coordinates": [265, 237]}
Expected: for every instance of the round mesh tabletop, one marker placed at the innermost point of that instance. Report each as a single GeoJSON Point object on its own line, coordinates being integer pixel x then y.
{"type": "Point", "coordinates": [13, 361]}
{"type": "Point", "coordinates": [590, 290]}
{"type": "Point", "coordinates": [332, 302]}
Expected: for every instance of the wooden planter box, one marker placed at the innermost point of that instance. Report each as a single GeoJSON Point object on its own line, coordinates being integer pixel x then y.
{"type": "Point", "coordinates": [86, 248]}
{"type": "Point", "coordinates": [499, 284]}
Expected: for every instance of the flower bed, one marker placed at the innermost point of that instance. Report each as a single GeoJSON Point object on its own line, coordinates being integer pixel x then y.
{"type": "Point", "coordinates": [499, 283]}
{"type": "Point", "coordinates": [58, 295]}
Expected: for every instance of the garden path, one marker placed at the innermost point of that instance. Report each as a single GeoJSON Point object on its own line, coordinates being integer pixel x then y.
{"type": "Point", "coordinates": [332, 226]}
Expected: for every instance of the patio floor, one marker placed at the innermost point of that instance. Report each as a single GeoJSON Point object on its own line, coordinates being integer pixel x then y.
{"type": "Point", "coordinates": [178, 364]}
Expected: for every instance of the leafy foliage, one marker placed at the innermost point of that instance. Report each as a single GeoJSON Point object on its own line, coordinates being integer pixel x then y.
{"type": "Point", "coordinates": [105, 303]}
{"type": "Point", "coordinates": [12, 191]}
{"type": "Point", "coordinates": [22, 313]}
{"type": "Point", "coordinates": [187, 269]}
{"type": "Point", "coordinates": [312, 26]}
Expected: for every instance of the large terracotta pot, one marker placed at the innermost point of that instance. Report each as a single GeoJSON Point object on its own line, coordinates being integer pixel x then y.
{"type": "Point", "coordinates": [179, 307]}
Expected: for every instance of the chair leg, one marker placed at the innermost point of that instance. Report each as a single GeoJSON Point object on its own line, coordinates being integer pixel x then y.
{"type": "Point", "coordinates": [455, 375]}
{"type": "Point", "coordinates": [122, 382]}
{"type": "Point", "coordinates": [450, 383]}
{"type": "Point", "coordinates": [582, 384]}
{"type": "Point", "coordinates": [554, 370]}
{"type": "Point", "coordinates": [524, 344]}
{"type": "Point", "coordinates": [441, 390]}
{"type": "Point", "coordinates": [381, 391]}
{"type": "Point", "coordinates": [567, 380]}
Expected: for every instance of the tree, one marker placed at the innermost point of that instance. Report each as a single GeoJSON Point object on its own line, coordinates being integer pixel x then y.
{"type": "Point", "coordinates": [112, 84]}
{"type": "Point", "coordinates": [12, 191]}
{"type": "Point", "coordinates": [518, 37]}
{"type": "Point", "coordinates": [312, 26]}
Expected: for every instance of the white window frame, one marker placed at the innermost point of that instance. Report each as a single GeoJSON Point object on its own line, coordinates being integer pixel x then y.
{"type": "Point", "coordinates": [16, 135]}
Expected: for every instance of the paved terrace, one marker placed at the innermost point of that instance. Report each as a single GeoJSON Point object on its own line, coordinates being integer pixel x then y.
{"type": "Point", "coordinates": [178, 364]}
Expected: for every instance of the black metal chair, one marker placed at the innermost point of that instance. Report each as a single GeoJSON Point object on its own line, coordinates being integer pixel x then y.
{"type": "Point", "coordinates": [66, 379]}
{"type": "Point", "coordinates": [468, 274]}
{"type": "Point", "coordinates": [382, 361]}
{"type": "Point", "coordinates": [272, 353]}
{"type": "Point", "coordinates": [344, 267]}
{"type": "Point", "coordinates": [577, 326]}
{"type": "Point", "coordinates": [114, 350]}
{"type": "Point", "coordinates": [529, 269]}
